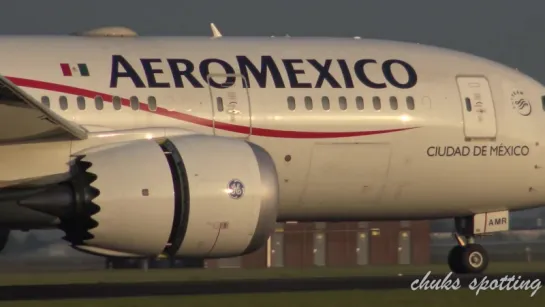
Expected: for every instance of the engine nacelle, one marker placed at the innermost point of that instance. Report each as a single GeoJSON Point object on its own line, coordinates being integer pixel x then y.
{"type": "Point", "coordinates": [232, 191]}
{"type": "Point", "coordinates": [192, 196]}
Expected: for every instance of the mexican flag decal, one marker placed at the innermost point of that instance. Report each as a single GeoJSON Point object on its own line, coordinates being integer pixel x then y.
{"type": "Point", "coordinates": [80, 70]}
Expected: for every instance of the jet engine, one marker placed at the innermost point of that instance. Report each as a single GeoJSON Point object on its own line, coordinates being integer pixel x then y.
{"type": "Point", "coordinates": [186, 196]}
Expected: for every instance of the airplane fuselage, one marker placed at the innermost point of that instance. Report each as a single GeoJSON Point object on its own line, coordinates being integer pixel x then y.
{"type": "Point", "coordinates": [358, 129]}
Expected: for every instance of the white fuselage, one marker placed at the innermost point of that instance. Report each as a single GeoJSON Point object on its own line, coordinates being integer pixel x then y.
{"type": "Point", "coordinates": [336, 162]}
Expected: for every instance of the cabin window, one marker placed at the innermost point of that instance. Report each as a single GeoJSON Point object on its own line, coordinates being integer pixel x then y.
{"type": "Point", "coordinates": [410, 103]}
{"type": "Point", "coordinates": [116, 102]}
{"type": "Point", "coordinates": [219, 103]}
{"type": "Point", "coordinates": [342, 103]}
{"type": "Point", "coordinates": [325, 103]}
{"type": "Point", "coordinates": [468, 104]}
{"type": "Point", "coordinates": [135, 104]}
{"type": "Point", "coordinates": [543, 102]}
{"type": "Point", "coordinates": [291, 103]}
{"type": "Point", "coordinates": [393, 103]}
{"type": "Point", "coordinates": [308, 103]}
{"type": "Point", "coordinates": [81, 102]}
{"type": "Point", "coordinates": [359, 103]}
{"type": "Point", "coordinates": [45, 101]}
{"type": "Point", "coordinates": [63, 103]}
{"type": "Point", "coordinates": [376, 103]}
{"type": "Point", "coordinates": [99, 103]}
{"type": "Point", "coordinates": [152, 103]}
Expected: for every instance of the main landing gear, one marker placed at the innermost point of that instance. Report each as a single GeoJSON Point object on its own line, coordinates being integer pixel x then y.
{"type": "Point", "coordinates": [467, 257]}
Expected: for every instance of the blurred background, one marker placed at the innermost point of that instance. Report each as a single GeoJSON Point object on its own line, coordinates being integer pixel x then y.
{"type": "Point", "coordinates": [304, 245]}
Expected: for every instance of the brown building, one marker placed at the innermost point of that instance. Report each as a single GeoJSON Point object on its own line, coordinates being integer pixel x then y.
{"type": "Point", "coordinates": [342, 244]}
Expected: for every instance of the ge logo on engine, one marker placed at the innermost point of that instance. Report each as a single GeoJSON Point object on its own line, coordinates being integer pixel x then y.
{"type": "Point", "coordinates": [236, 189]}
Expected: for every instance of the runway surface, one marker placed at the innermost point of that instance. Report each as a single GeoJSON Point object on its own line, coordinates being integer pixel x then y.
{"type": "Point", "coordinates": [110, 290]}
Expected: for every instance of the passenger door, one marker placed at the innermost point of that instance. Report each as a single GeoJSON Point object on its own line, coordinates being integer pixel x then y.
{"type": "Point", "coordinates": [478, 107]}
{"type": "Point", "coordinates": [231, 106]}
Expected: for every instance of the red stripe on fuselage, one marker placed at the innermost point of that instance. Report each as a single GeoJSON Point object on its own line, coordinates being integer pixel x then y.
{"type": "Point", "coordinates": [66, 89]}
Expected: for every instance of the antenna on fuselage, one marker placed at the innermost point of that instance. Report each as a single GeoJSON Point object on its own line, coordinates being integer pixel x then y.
{"type": "Point", "coordinates": [107, 32]}
{"type": "Point", "coordinates": [215, 32]}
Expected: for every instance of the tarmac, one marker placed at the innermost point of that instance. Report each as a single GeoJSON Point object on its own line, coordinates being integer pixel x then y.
{"type": "Point", "coordinates": [112, 290]}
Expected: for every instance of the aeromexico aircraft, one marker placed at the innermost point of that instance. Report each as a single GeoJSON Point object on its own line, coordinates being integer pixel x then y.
{"type": "Point", "coordinates": [197, 147]}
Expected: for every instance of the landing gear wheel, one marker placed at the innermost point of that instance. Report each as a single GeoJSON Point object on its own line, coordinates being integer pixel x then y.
{"type": "Point", "coordinates": [475, 259]}
{"type": "Point", "coordinates": [472, 259]}
{"type": "Point", "coordinates": [454, 259]}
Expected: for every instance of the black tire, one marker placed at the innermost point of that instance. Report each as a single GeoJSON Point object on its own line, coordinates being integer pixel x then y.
{"type": "Point", "coordinates": [455, 262]}
{"type": "Point", "coordinates": [474, 259]}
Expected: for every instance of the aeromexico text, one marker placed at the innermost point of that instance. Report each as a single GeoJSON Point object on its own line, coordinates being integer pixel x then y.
{"type": "Point", "coordinates": [500, 150]}
{"type": "Point", "coordinates": [300, 73]}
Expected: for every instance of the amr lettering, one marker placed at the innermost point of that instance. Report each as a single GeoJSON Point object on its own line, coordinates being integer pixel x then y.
{"type": "Point", "coordinates": [497, 221]}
